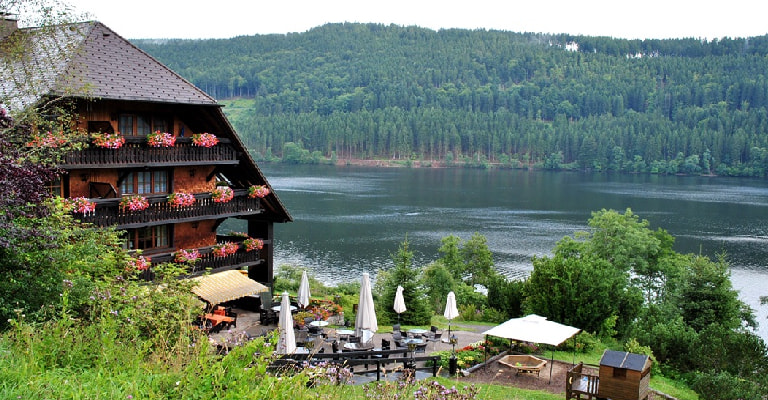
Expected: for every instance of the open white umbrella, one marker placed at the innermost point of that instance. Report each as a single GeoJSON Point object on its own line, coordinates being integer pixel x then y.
{"type": "Point", "coordinates": [287, 342]}
{"type": "Point", "coordinates": [365, 323]}
{"type": "Point", "coordinates": [451, 311]}
{"type": "Point", "coordinates": [303, 291]}
{"type": "Point", "coordinates": [399, 305]}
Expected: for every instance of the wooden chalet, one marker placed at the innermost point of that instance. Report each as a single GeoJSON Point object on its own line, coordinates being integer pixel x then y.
{"type": "Point", "coordinates": [147, 167]}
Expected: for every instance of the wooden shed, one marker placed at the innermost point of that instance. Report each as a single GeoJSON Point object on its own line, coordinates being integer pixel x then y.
{"type": "Point", "coordinates": [624, 376]}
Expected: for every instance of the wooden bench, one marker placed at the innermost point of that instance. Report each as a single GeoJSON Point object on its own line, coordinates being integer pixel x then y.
{"type": "Point", "coordinates": [579, 383]}
{"type": "Point", "coordinates": [523, 363]}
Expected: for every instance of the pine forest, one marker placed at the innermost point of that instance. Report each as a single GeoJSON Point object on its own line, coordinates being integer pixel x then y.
{"type": "Point", "coordinates": [480, 98]}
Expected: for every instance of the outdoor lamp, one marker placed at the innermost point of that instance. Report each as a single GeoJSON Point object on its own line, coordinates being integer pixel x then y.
{"type": "Point", "coordinates": [452, 362]}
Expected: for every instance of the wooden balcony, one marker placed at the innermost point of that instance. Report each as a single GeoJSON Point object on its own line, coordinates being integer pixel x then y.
{"type": "Point", "coordinates": [108, 212]}
{"type": "Point", "coordinates": [136, 153]}
{"type": "Point", "coordinates": [208, 262]}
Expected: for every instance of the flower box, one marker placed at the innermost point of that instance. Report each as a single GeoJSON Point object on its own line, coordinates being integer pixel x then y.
{"type": "Point", "coordinates": [186, 256]}
{"type": "Point", "coordinates": [225, 249]}
{"type": "Point", "coordinates": [80, 205]}
{"type": "Point", "coordinates": [108, 140]}
{"type": "Point", "coordinates": [253, 244]}
{"type": "Point", "coordinates": [139, 263]}
{"type": "Point", "coordinates": [161, 139]}
{"type": "Point", "coordinates": [48, 139]}
{"type": "Point", "coordinates": [134, 203]}
{"type": "Point", "coordinates": [222, 194]}
{"type": "Point", "coordinates": [180, 199]}
{"type": "Point", "coordinates": [258, 191]}
{"type": "Point", "coordinates": [204, 140]}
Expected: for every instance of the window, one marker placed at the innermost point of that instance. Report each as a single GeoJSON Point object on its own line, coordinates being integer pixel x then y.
{"type": "Point", "coordinates": [140, 125]}
{"type": "Point", "coordinates": [55, 187]}
{"type": "Point", "coordinates": [151, 237]}
{"type": "Point", "coordinates": [145, 182]}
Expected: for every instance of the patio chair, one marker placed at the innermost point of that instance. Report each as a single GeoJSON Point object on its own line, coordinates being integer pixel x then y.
{"type": "Point", "coordinates": [421, 348]}
{"type": "Point", "coordinates": [395, 328]}
{"type": "Point", "coordinates": [435, 338]}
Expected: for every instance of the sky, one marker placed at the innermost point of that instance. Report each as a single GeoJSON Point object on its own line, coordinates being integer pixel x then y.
{"type": "Point", "coordinates": [648, 19]}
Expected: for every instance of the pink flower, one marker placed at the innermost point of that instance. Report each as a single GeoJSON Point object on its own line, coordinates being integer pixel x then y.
{"type": "Point", "coordinates": [257, 191]}
{"type": "Point", "coordinates": [204, 140]}
{"type": "Point", "coordinates": [253, 244]}
{"type": "Point", "coordinates": [161, 139]}
{"type": "Point", "coordinates": [48, 139]}
{"type": "Point", "coordinates": [225, 249]}
{"type": "Point", "coordinates": [80, 205]}
{"type": "Point", "coordinates": [180, 199]}
{"type": "Point", "coordinates": [108, 140]}
{"type": "Point", "coordinates": [134, 203]}
{"type": "Point", "coordinates": [222, 194]}
{"type": "Point", "coordinates": [139, 263]}
{"type": "Point", "coordinates": [184, 256]}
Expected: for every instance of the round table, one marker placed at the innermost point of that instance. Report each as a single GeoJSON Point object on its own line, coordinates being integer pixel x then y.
{"type": "Point", "coordinates": [417, 331]}
{"type": "Point", "coordinates": [357, 347]}
{"type": "Point", "coordinates": [319, 324]}
{"type": "Point", "coordinates": [277, 308]}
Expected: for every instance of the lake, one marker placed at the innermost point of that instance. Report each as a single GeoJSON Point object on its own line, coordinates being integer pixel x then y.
{"type": "Point", "coordinates": [348, 220]}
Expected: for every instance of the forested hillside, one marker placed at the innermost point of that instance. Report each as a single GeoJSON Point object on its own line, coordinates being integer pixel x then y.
{"type": "Point", "coordinates": [475, 96]}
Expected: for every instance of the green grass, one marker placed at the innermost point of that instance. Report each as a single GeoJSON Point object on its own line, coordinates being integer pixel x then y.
{"type": "Point", "coordinates": [486, 391]}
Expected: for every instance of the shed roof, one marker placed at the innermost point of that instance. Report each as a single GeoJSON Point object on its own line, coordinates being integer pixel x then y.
{"type": "Point", "coordinates": [623, 359]}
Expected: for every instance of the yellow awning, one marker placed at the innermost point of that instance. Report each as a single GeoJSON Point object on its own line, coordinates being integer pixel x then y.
{"type": "Point", "coordinates": [225, 286]}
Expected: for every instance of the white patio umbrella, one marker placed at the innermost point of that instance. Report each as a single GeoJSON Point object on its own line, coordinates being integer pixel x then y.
{"type": "Point", "coordinates": [303, 291]}
{"type": "Point", "coordinates": [365, 322]}
{"type": "Point", "coordinates": [399, 305]}
{"type": "Point", "coordinates": [287, 342]}
{"type": "Point", "coordinates": [451, 311]}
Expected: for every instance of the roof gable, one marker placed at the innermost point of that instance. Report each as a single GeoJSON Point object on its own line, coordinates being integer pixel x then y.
{"type": "Point", "coordinates": [113, 68]}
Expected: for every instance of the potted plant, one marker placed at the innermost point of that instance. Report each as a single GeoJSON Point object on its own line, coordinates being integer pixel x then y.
{"type": "Point", "coordinates": [180, 199]}
{"type": "Point", "coordinates": [134, 203]}
{"type": "Point", "coordinates": [108, 140]}
{"type": "Point", "coordinates": [258, 191]}
{"type": "Point", "coordinates": [204, 139]}
{"type": "Point", "coordinates": [222, 194]}
{"type": "Point", "coordinates": [161, 139]}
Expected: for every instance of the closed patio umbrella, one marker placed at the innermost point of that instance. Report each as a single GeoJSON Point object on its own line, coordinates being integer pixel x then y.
{"type": "Point", "coordinates": [451, 311]}
{"type": "Point", "coordinates": [365, 322]}
{"type": "Point", "coordinates": [304, 291]}
{"type": "Point", "coordinates": [287, 342]}
{"type": "Point", "coordinates": [399, 305]}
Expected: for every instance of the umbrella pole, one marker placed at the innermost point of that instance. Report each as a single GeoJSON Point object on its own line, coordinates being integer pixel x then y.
{"type": "Point", "coordinates": [551, 361]}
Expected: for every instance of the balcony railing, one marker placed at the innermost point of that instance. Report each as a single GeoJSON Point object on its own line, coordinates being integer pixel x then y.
{"type": "Point", "coordinates": [136, 152]}
{"type": "Point", "coordinates": [208, 262]}
{"type": "Point", "coordinates": [108, 211]}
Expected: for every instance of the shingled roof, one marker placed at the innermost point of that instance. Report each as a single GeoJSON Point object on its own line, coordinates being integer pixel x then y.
{"type": "Point", "coordinates": [74, 62]}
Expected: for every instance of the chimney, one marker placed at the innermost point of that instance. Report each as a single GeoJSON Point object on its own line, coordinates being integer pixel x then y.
{"type": "Point", "coordinates": [8, 24]}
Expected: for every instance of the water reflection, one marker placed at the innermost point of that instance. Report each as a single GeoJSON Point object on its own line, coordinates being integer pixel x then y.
{"type": "Point", "coordinates": [350, 220]}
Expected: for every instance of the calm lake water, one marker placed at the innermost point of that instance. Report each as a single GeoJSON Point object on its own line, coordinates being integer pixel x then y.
{"type": "Point", "coordinates": [348, 220]}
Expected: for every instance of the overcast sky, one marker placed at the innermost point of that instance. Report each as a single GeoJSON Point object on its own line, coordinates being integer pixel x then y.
{"type": "Point", "coordinates": [657, 19]}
